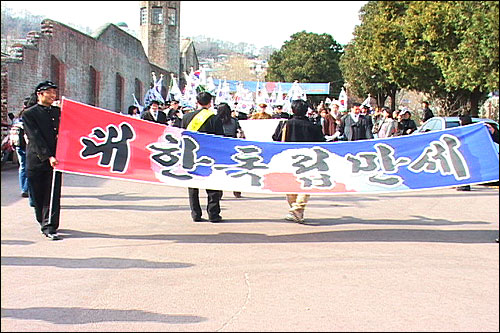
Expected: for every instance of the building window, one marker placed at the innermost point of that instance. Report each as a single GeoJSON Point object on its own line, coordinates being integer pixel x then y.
{"type": "Point", "coordinates": [172, 16]}
{"type": "Point", "coordinates": [57, 74]}
{"type": "Point", "coordinates": [144, 16]}
{"type": "Point", "coordinates": [138, 89]}
{"type": "Point", "coordinates": [119, 93]}
{"type": "Point", "coordinates": [94, 87]}
{"type": "Point", "coordinates": [157, 15]}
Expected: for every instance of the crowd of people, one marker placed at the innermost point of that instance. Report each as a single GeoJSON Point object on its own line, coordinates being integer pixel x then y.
{"type": "Point", "coordinates": [358, 123]}
{"type": "Point", "coordinates": [40, 116]}
{"type": "Point", "coordinates": [361, 122]}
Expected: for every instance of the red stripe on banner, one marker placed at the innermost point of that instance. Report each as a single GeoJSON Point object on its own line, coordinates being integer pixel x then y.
{"type": "Point", "coordinates": [288, 183]}
{"type": "Point", "coordinates": [81, 121]}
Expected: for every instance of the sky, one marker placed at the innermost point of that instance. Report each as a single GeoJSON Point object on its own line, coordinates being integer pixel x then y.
{"type": "Point", "coordinates": [262, 23]}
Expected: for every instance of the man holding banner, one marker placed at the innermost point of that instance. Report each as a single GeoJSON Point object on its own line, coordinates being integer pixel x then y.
{"type": "Point", "coordinates": [41, 124]}
{"type": "Point", "coordinates": [298, 129]}
{"type": "Point", "coordinates": [204, 120]}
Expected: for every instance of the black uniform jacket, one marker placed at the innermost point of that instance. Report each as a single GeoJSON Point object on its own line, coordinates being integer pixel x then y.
{"type": "Point", "coordinates": [161, 118]}
{"type": "Point", "coordinates": [213, 125]}
{"type": "Point", "coordinates": [41, 124]}
{"type": "Point", "coordinates": [299, 129]}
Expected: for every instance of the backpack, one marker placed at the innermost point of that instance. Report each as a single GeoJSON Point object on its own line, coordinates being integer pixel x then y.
{"type": "Point", "coordinates": [16, 135]}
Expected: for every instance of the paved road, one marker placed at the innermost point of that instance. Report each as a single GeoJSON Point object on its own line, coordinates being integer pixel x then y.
{"type": "Point", "coordinates": [132, 260]}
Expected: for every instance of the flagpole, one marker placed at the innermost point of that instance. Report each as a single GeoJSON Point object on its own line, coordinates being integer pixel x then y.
{"type": "Point", "coordinates": [52, 195]}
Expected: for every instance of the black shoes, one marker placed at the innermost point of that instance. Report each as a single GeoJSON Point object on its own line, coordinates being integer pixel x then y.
{"type": "Point", "coordinates": [53, 236]}
{"type": "Point", "coordinates": [25, 195]}
{"type": "Point", "coordinates": [215, 219]}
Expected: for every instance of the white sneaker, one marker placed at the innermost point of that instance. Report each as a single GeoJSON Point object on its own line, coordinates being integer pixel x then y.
{"type": "Point", "coordinates": [294, 218]}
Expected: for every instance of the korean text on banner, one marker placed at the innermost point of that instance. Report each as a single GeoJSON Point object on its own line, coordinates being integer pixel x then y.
{"type": "Point", "coordinates": [102, 143]}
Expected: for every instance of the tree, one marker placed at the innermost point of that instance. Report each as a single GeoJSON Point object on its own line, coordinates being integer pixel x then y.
{"type": "Point", "coordinates": [461, 39]}
{"type": "Point", "coordinates": [17, 26]}
{"type": "Point", "coordinates": [266, 51]}
{"type": "Point", "coordinates": [364, 63]}
{"type": "Point", "coordinates": [447, 49]}
{"type": "Point", "coordinates": [307, 57]}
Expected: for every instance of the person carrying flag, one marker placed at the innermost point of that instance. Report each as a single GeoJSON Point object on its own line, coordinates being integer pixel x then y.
{"type": "Point", "coordinates": [41, 124]}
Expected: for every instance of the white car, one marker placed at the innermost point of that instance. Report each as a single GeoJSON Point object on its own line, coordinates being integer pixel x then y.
{"type": "Point", "coordinates": [441, 123]}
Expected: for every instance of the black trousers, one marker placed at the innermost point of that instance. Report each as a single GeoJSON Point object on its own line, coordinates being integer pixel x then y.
{"type": "Point", "coordinates": [40, 187]}
{"type": "Point", "coordinates": [213, 205]}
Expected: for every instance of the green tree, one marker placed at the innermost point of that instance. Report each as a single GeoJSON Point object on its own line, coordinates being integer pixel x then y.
{"type": "Point", "coordinates": [461, 39]}
{"type": "Point", "coordinates": [307, 57]}
{"type": "Point", "coordinates": [447, 49]}
{"type": "Point", "coordinates": [366, 63]}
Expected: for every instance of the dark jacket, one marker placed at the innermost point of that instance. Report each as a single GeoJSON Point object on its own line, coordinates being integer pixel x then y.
{"type": "Point", "coordinates": [175, 120]}
{"type": "Point", "coordinates": [231, 128]}
{"type": "Point", "coordinates": [162, 117]}
{"type": "Point", "coordinates": [299, 129]}
{"type": "Point", "coordinates": [213, 125]}
{"type": "Point", "coordinates": [405, 125]}
{"type": "Point", "coordinates": [355, 130]}
{"type": "Point", "coordinates": [427, 114]}
{"type": "Point", "coordinates": [329, 125]}
{"type": "Point", "coordinates": [41, 125]}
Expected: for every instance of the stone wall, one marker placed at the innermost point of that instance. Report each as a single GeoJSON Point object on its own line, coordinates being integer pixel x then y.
{"type": "Point", "coordinates": [161, 39]}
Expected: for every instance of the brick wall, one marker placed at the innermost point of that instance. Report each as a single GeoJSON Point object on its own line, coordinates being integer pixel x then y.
{"type": "Point", "coordinates": [110, 51]}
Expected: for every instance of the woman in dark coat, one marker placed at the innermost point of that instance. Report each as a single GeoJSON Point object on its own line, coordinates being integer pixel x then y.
{"type": "Point", "coordinates": [230, 125]}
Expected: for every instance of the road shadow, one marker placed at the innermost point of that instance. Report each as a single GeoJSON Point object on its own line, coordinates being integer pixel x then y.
{"type": "Point", "coordinates": [120, 196]}
{"type": "Point", "coordinates": [16, 242]}
{"type": "Point", "coordinates": [341, 236]}
{"type": "Point", "coordinates": [346, 220]}
{"type": "Point", "coordinates": [79, 316]}
{"type": "Point", "coordinates": [74, 180]}
{"type": "Point", "coordinates": [100, 263]}
{"type": "Point", "coordinates": [141, 208]}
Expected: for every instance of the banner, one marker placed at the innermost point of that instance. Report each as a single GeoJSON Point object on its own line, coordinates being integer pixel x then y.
{"type": "Point", "coordinates": [259, 129]}
{"type": "Point", "coordinates": [309, 88]}
{"type": "Point", "coordinates": [103, 143]}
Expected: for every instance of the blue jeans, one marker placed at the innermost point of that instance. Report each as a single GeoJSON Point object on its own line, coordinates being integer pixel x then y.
{"type": "Point", "coordinates": [23, 180]}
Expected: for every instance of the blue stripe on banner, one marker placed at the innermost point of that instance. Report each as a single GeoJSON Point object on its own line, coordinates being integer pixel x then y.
{"type": "Point", "coordinates": [103, 143]}
{"type": "Point", "coordinates": [458, 156]}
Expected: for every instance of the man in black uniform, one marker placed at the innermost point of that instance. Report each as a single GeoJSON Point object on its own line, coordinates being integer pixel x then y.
{"type": "Point", "coordinates": [204, 120]}
{"type": "Point", "coordinates": [154, 114]}
{"type": "Point", "coordinates": [41, 124]}
{"type": "Point", "coordinates": [173, 114]}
